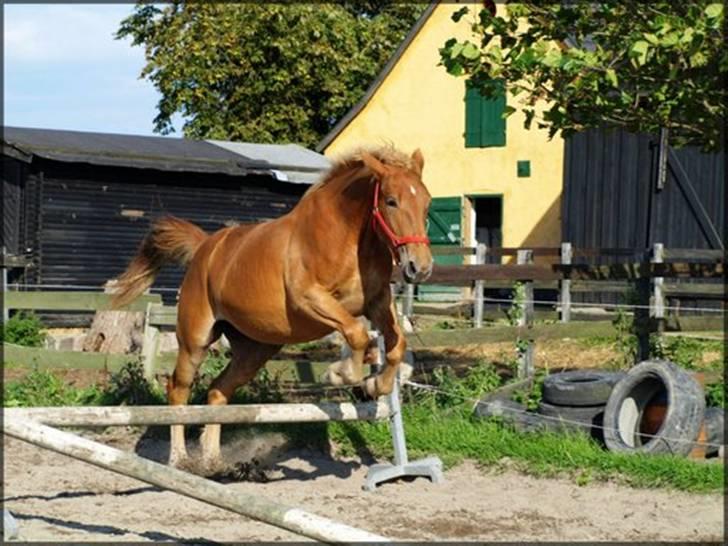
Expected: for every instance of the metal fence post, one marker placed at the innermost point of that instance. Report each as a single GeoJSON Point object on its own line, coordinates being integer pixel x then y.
{"type": "Point", "coordinates": [657, 306]}
{"type": "Point", "coordinates": [565, 284]}
{"type": "Point", "coordinates": [525, 354]}
{"type": "Point", "coordinates": [478, 303]}
{"type": "Point", "coordinates": [409, 300]}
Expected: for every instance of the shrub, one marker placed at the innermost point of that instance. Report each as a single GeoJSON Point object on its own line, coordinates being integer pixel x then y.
{"type": "Point", "coordinates": [24, 328]}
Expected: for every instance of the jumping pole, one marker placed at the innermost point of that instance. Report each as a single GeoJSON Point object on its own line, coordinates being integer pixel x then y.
{"type": "Point", "coordinates": [292, 519]}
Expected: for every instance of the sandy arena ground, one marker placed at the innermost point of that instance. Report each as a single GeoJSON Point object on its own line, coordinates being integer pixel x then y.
{"type": "Point", "coordinates": [55, 498]}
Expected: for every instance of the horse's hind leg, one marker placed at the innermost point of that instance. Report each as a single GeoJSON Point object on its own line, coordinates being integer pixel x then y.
{"type": "Point", "coordinates": [194, 340]}
{"type": "Point", "coordinates": [248, 357]}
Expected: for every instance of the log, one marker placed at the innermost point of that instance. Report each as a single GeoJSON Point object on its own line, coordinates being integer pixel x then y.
{"type": "Point", "coordinates": [117, 332]}
{"type": "Point", "coordinates": [252, 505]}
{"type": "Point", "coordinates": [103, 416]}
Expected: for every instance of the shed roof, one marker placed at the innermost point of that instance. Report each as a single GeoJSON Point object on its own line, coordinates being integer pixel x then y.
{"type": "Point", "coordinates": [162, 153]}
{"type": "Point", "coordinates": [293, 163]}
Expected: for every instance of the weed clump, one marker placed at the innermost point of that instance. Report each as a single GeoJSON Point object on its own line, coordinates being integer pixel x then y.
{"type": "Point", "coordinates": [23, 328]}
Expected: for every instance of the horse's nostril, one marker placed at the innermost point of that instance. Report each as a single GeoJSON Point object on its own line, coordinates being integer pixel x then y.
{"type": "Point", "coordinates": [411, 268]}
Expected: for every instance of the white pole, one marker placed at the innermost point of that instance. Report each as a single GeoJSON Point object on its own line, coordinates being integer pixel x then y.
{"type": "Point", "coordinates": [292, 519]}
{"type": "Point", "coordinates": [103, 416]}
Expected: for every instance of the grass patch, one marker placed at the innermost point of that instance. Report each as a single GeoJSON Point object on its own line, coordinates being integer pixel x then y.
{"type": "Point", "coordinates": [435, 423]}
{"type": "Point", "coordinates": [454, 436]}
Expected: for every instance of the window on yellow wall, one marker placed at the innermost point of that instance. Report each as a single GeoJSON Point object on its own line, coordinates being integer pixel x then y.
{"type": "Point", "coordinates": [484, 123]}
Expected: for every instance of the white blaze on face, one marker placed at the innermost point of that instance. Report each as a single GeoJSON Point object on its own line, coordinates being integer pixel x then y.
{"type": "Point", "coordinates": [413, 190]}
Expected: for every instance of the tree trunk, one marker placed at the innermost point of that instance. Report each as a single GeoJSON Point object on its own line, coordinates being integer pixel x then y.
{"type": "Point", "coordinates": [115, 331]}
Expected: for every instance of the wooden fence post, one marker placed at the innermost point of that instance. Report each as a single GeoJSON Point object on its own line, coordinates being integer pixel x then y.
{"type": "Point", "coordinates": [642, 313]}
{"type": "Point", "coordinates": [565, 284]}
{"type": "Point", "coordinates": [150, 344]}
{"type": "Point", "coordinates": [525, 354]}
{"type": "Point", "coordinates": [658, 290]}
{"type": "Point", "coordinates": [478, 303]}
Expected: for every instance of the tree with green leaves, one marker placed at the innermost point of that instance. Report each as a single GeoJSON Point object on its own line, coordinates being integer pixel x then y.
{"type": "Point", "coordinates": [264, 72]}
{"type": "Point", "coordinates": [641, 66]}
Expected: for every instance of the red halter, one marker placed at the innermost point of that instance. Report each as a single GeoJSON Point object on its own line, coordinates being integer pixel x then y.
{"type": "Point", "coordinates": [396, 240]}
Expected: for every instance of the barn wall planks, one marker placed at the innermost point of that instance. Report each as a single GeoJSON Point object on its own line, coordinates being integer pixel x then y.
{"type": "Point", "coordinates": [611, 200]}
{"type": "Point", "coordinates": [92, 218]}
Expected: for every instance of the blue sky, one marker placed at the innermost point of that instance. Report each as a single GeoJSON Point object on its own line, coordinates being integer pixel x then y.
{"type": "Point", "coordinates": [64, 70]}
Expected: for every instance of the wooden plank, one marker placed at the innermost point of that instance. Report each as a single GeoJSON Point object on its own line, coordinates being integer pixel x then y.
{"type": "Point", "coordinates": [696, 323]}
{"type": "Point", "coordinates": [11, 260]}
{"type": "Point", "coordinates": [458, 274]}
{"type": "Point", "coordinates": [695, 290]}
{"type": "Point", "coordinates": [162, 315]}
{"type": "Point", "coordinates": [690, 254]}
{"type": "Point", "coordinates": [109, 416]}
{"type": "Point", "coordinates": [438, 250]}
{"type": "Point", "coordinates": [185, 483]}
{"type": "Point", "coordinates": [40, 358]}
{"type": "Point", "coordinates": [456, 337]}
{"type": "Point", "coordinates": [72, 301]}
{"type": "Point", "coordinates": [600, 286]}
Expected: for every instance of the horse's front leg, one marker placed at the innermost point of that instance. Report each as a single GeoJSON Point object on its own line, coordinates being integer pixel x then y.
{"type": "Point", "coordinates": [384, 317]}
{"type": "Point", "coordinates": [319, 304]}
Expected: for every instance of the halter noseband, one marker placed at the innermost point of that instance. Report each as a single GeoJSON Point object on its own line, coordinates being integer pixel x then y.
{"type": "Point", "coordinates": [394, 239]}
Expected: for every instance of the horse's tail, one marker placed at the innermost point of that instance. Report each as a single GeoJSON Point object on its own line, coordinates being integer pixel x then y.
{"type": "Point", "coordinates": [169, 240]}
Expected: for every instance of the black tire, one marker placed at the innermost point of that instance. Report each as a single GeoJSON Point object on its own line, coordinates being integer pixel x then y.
{"type": "Point", "coordinates": [580, 387]}
{"type": "Point", "coordinates": [574, 418]}
{"type": "Point", "coordinates": [715, 431]}
{"type": "Point", "coordinates": [642, 387]}
{"type": "Point", "coordinates": [514, 414]}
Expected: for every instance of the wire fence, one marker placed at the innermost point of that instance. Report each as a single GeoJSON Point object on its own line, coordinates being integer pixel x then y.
{"type": "Point", "coordinates": [556, 304]}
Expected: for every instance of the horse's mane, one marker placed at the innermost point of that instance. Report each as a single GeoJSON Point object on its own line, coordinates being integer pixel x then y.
{"type": "Point", "coordinates": [351, 166]}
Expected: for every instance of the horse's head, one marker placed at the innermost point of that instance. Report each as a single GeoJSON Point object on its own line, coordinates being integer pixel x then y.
{"type": "Point", "coordinates": [400, 206]}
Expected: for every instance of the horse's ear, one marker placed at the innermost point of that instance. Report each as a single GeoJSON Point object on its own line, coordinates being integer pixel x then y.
{"type": "Point", "coordinates": [418, 160]}
{"type": "Point", "coordinates": [376, 166]}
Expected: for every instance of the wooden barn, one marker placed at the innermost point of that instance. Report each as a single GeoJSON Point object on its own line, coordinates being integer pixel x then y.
{"type": "Point", "coordinates": [76, 204]}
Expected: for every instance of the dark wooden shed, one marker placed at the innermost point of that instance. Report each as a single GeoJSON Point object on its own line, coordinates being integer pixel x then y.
{"type": "Point", "coordinates": [614, 197]}
{"type": "Point", "coordinates": [77, 204]}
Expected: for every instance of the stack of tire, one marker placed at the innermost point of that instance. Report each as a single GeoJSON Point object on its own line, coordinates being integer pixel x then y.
{"type": "Point", "coordinates": [655, 407]}
{"type": "Point", "coordinates": [576, 400]}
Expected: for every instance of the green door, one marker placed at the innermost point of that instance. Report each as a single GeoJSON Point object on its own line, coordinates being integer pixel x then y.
{"type": "Point", "coordinates": [443, 229]}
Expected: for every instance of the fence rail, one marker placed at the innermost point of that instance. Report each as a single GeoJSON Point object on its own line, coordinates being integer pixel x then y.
{"type": "Point", "coordinates": [648, 277]}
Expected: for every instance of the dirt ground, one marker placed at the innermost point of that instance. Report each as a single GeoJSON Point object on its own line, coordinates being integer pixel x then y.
{"type": "Point", "coordinates": [55, 498]}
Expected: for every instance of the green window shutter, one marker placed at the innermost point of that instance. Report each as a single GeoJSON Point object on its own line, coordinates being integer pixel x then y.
{"type": "Point", "coordinates": [484, 124]}
{"type": "Point", "coordinates": [493, 131]}
{"type": "Point", "coordinates": [473, 125]}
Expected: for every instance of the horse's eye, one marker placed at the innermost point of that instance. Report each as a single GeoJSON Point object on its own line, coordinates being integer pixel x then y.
{"type": "Point", "coordinates": [391, 202]}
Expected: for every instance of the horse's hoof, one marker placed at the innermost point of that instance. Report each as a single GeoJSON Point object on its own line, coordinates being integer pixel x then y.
{"type": "Point", "coordinates": [332, 375]}
{"type": "Point", "coordinates": [178, 461]}
{"type": "Point", "coordinates": [370, 387]}
{"type": "Point", "coordinates": [405, 371]}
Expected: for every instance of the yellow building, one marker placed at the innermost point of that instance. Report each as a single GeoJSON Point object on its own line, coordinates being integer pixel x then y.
{"type": "Point", "coordinates": [494, 181]}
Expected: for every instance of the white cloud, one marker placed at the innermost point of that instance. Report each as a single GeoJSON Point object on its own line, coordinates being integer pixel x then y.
{"type": "Point", "coordinates": [37, 33]}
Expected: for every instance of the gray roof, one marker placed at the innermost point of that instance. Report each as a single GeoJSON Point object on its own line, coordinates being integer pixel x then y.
{"type": "Point", "coordinates": [359, 106]}
{"type": "Point", "coordinates": [293, 163]}
{"type": "Point", "coordinates": [162, 153]}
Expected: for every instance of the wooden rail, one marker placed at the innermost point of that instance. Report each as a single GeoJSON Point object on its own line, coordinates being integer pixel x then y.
{"type": "Point", "coordinates": [104, 416]}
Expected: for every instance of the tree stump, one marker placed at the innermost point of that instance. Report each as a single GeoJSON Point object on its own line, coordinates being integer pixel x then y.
{"type": "Point", "coordinates": [116, 332]}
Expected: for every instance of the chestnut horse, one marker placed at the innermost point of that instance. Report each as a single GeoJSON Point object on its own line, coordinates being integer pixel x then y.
{"type": "Point", "coordinates": [294, 279]}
